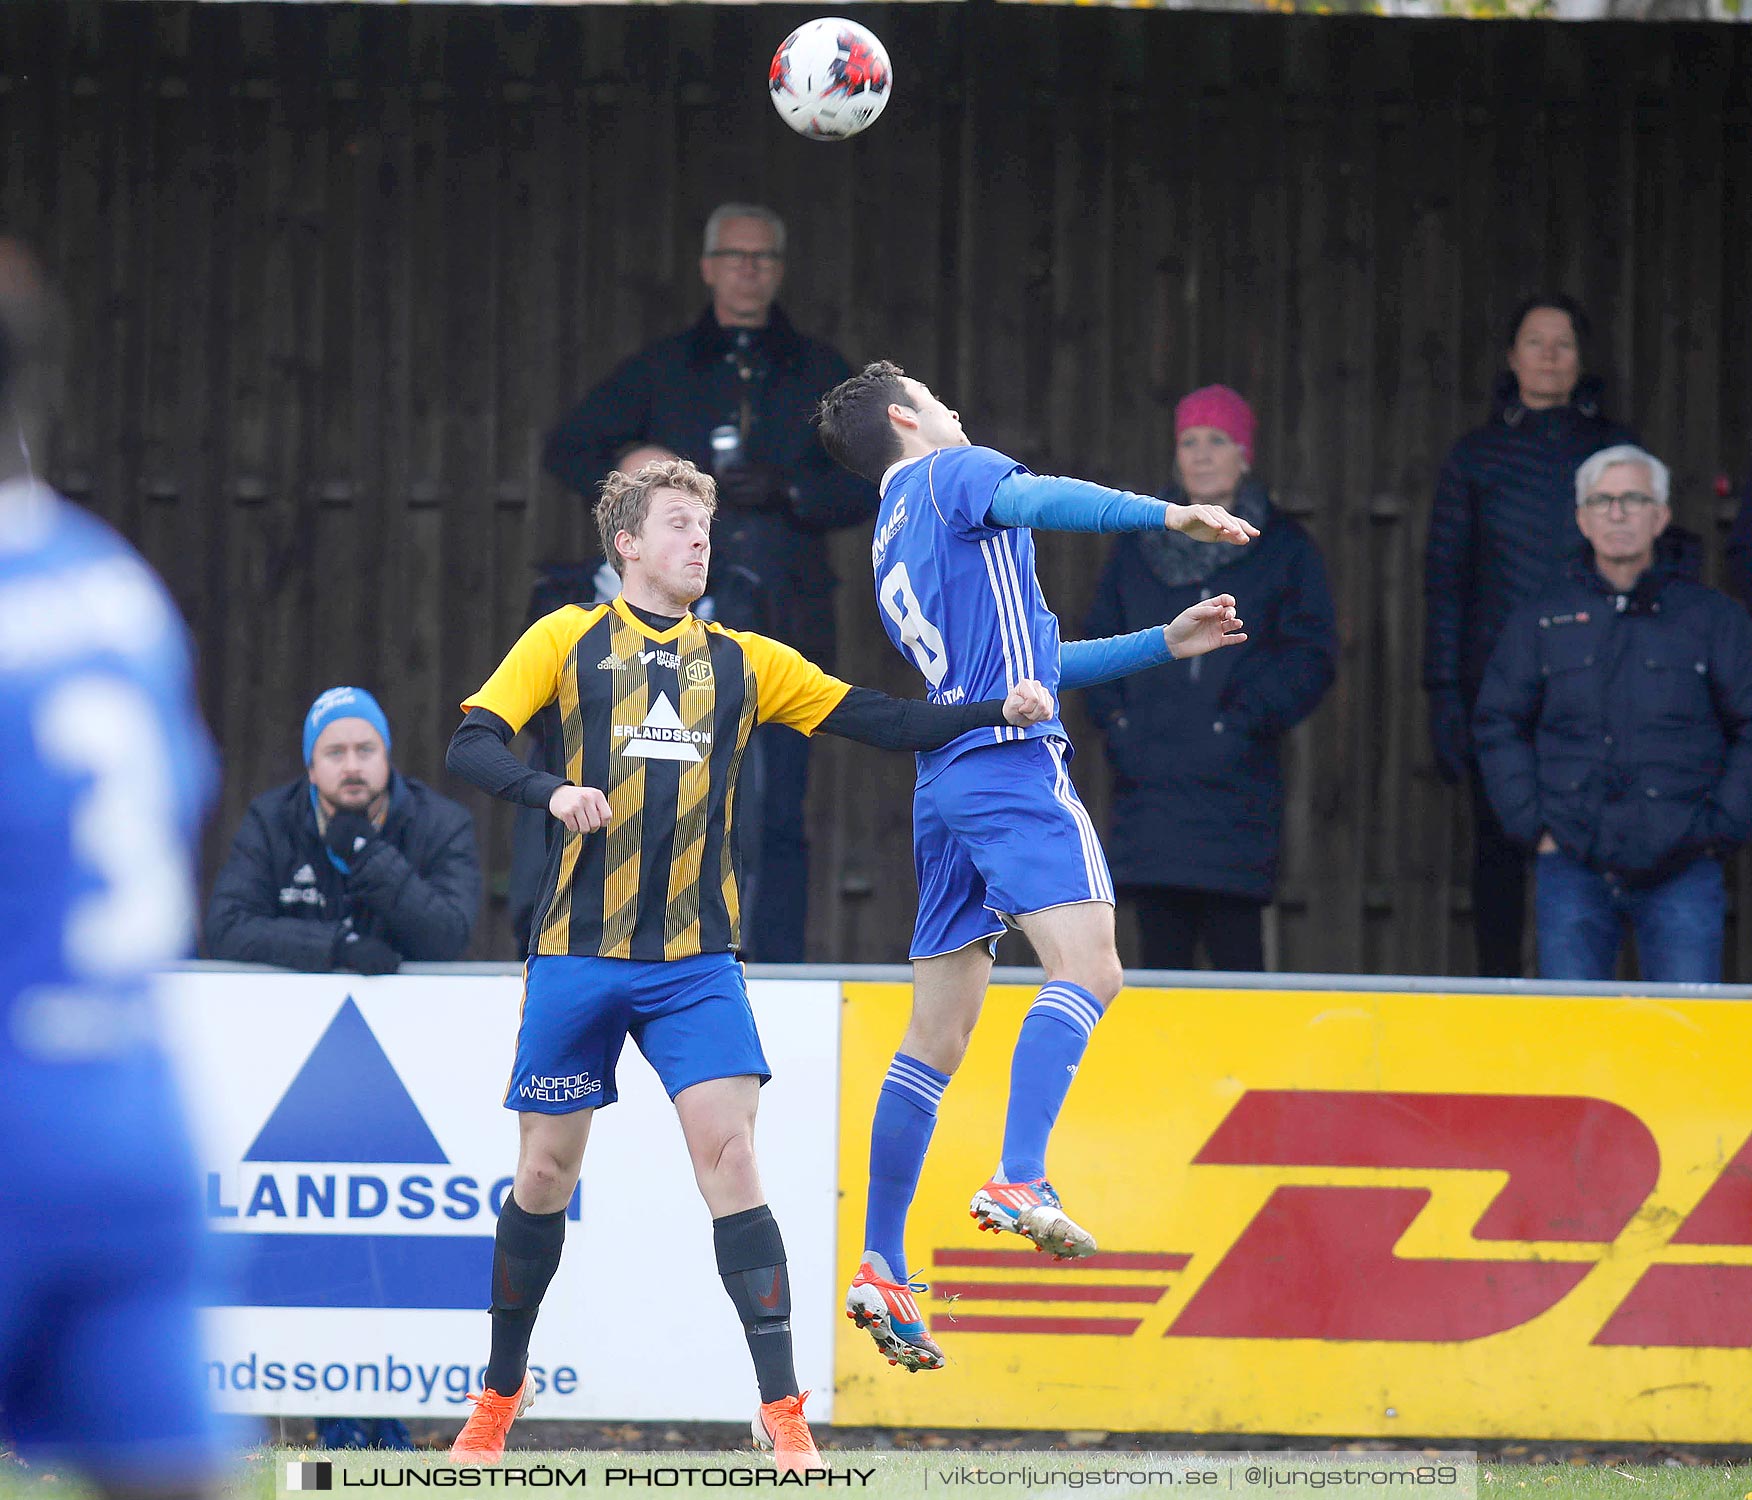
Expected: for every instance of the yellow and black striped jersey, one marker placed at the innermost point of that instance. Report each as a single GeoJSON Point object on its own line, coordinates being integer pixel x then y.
{"type": "Point", "coordinates": [659, 721]}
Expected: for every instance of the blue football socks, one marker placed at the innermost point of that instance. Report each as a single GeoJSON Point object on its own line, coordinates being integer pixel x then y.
{"type": "Point", "coordinates": [906, 1114]}
{"type": "Point", "coordinates": [1055, 1033]}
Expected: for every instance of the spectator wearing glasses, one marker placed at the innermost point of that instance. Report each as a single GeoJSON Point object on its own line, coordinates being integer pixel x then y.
{"type": "Point", "coordinates": [1499, 528]}
{"type": "Point", "coordinates": [734, 394]}
{"type": "Point", "coordinates": [1614, 732]}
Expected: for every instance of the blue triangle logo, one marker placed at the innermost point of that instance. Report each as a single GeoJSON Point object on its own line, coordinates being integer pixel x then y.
{"type": "Point", "coordinates": [347, 1104]}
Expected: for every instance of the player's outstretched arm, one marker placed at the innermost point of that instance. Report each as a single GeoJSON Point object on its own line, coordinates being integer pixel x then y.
{"type": "Point", "coordinates": [1048, 502]}
{"type": "Point", "coordinates": [1206, 626]}
{"type": "Point", "coordinates": [874, 718]}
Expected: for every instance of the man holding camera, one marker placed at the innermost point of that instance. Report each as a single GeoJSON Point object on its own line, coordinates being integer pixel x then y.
{"type": "Point", "coordinates": [733, 393]}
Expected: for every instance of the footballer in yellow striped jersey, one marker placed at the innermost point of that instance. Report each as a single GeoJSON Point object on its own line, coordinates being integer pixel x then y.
{"type": "Point", "coordinates": [638, 923]}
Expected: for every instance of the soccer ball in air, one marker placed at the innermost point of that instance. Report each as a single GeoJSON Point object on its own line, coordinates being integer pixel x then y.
{"type": "Point", "coordinates": [829, 79]}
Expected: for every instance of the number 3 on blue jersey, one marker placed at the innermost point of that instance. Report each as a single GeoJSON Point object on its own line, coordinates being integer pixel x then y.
{"type": "Point", "coordinates": [917, 634]}
{"type": "Point", "coordinates": [104, 731]}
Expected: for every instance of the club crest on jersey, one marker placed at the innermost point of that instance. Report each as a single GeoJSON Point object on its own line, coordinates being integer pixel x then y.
{"type": "Point", "coordinates": [662, 736]}
{"type": "Point", "coordinates": [699, 672]}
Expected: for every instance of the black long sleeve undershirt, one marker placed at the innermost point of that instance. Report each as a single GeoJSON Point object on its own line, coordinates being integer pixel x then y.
{"type": "Point", "coordinates": [873, 718]}
{"type": "Point", "coordinates": [480, 750]}
{"type": "Point", "coordinates": [480, 753]}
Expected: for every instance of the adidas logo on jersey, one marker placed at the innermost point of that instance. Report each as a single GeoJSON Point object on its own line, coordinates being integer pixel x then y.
{"type": "Point", "coordinates": [610, 663]}
{"type": "Point", "coordinates": [302, 891]}
{"type": "Point", "coordinates": [662, 735]}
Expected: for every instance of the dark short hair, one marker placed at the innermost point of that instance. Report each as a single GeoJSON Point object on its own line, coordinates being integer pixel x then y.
{"type": "Point", "coordinates": [853, 420]}
{"type": "Point", "coordinates": [1557, 302]}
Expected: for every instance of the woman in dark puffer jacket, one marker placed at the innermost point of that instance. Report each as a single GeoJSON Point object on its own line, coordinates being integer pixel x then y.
{"type": "Point", "coordinates": [1503, 522]}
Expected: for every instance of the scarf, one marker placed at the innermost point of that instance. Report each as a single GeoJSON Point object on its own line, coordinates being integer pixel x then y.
{"type": "Point", "coordinates": [1178, 561]}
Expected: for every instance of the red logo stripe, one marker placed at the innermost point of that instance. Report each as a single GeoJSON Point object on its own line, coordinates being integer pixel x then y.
{"type": "Point", "coordinates": [1109, 1327]}
{"type": "Point", "coordinates": [1685, 1307]}
{"type": "Point", "coordinates": [1724, 1217]}
{"type": "Point", "coordinates": [1028, 1291]}
{"type": "Point", "coordinates": [1320, 1263]}
{"type": "Point", "coordinates": [1032, 1260]}
{"type": "Point", "coordinates": [1578, 1168]}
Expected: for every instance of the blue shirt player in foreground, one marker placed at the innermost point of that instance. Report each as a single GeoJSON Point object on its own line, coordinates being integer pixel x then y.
{"type": "Point", "coordinates": [104, 773]}
{"type": "Point", "coordinates": [639, 922]}
{"type": "Point", "coordinates": [999, 834]}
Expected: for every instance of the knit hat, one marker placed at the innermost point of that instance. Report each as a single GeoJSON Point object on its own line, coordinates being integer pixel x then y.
{"type": "Point", "coordinates": [342, 703]}
{"type": "Point", "coordinates": [1219, 407]}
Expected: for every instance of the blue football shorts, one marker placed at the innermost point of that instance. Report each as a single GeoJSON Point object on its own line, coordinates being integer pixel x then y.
{"type": "Point", "coordinates": [689, 1016]}
{"type": "Point", "coordinates": [101, 1267]}
{"type": "Point", "coordinates": [1000, 833]}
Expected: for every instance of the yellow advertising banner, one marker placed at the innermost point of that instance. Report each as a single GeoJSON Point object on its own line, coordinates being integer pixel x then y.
{"type": "Point", "coordinates": [1414, 1215]}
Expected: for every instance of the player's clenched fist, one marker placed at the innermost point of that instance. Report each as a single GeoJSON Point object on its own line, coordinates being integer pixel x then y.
{"type": "Point", "coordinates": [583, 809]}
{"type": "Point", "coordinates": [1210, 523]}
{"type": "Point", "coordinates": [1028, 703]}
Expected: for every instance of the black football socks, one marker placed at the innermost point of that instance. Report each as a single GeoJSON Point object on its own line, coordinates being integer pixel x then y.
{"type": "Point", "coordinates": [526, 1253]}
{"type": "Point", "coordinates": [751, 1261]}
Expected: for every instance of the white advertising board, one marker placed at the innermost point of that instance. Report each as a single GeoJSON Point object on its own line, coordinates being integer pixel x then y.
{"type": "Point", "coordinates": [355, 1151]}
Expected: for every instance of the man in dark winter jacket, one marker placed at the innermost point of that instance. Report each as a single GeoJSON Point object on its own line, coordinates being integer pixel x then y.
{"type": "Point", "coordinates": [1194, 745]}
{"type": "Point", "coordinates": [352, 866]}
{"type": "Point", "coordinates": [1614, 729]}
{"type": "Point", "coordinates": [734, 394]}
{"type": "Point", "coordinates": [1500, 527]}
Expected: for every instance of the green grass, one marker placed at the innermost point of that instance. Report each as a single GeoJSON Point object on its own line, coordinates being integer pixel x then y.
{"type": "Point", "coordinates": [910, 1474]}
{"type": "Point", "coordinates": [1622, 1481]}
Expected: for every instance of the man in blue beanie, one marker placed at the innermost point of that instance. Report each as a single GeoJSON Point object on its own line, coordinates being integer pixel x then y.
{"type": "Point", "coordinates": [351, 866]}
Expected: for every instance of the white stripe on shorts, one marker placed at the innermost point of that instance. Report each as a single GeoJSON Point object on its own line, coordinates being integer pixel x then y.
{"type": "Point", "coordinates": [1094, 863]}
{"type": "Point", "coordinates": [1010, 623]}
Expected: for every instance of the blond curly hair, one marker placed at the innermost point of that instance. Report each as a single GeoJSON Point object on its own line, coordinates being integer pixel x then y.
{"type": "Point", "coordinates": [626, 499]}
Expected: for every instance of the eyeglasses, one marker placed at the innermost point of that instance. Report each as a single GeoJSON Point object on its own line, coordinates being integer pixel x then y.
{"type": "Point", "coordinates": [1631, 502]}
{"type": "Point", "coordinates": [755, 260]}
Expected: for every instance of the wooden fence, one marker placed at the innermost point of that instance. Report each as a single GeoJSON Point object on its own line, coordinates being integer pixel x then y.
{"type": "Point", "coordinates": [331, 272]}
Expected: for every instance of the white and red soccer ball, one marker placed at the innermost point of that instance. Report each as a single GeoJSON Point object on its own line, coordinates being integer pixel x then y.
{"type": "Point", "coordinates": [830, 78]}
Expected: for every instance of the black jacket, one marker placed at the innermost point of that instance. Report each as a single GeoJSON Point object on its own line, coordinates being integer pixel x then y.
{"type": "Point", "coordinates": [773, 563]}
{"type": "Point", "coordinates": [1503, 522]}
{"type": "Point", "coordinates": [1198, 781]}
{"type": "Point", "coordinates": [280, 900]}
{"type": "Point", "coordinates": [1738, 569]}
{"type": "Point", "coordinates": [1622, 724]}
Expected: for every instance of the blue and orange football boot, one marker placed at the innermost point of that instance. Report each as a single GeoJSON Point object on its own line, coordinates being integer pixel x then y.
{"type": "Point", "coordinates": [1032, 1210]}
{"type": "Point", "coordinates": [887, 1312]}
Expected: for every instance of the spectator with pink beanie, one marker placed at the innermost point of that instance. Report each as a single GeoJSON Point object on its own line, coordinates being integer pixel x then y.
{"type": "Point", "coordinates": [1195, 745]}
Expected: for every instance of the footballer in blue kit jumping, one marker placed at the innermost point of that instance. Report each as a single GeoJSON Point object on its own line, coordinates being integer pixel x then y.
{"type": "Point", "coordinates": [105, 770]}
{"type": "Point", "coordinates": [1000, 837]}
